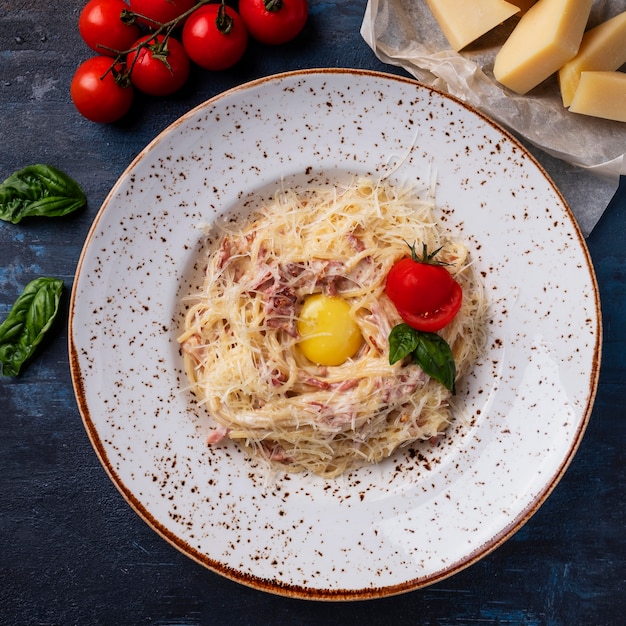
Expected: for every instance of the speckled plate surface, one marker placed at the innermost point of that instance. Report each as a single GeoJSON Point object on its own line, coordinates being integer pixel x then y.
{"type": "Point", "coordinates": [424, 514]}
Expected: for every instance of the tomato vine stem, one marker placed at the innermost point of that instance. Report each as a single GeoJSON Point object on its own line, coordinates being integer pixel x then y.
{"type": "Point", "coordinates": [160, 48]}
{"type": "Point", "coordinates": [224, 21]}
{"type": "Point", "coordinates": [273, 5]}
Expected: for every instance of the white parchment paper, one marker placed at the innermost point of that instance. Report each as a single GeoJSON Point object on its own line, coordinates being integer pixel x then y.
{"type": "Point", "coordinates": [404, 33]}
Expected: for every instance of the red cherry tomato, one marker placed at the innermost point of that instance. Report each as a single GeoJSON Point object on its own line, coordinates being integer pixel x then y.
{"type": "Point", "coordinates": [102, 28]}
{"type": "Point", "coordinates": [159, 11]}
{"type": "Point", "coordinates": [160, 68]}
{"type": "Point", "coordinates": [215, 37]}
{"type": "Point", "coordinates": [99, 93]}
{"type": "Point", "coordinates": [274, 21]}
{"type": "Point", "coordinates": [424, 292]}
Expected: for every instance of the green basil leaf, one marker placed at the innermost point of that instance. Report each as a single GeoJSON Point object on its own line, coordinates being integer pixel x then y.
{"type": "Point", "coordinates": [434, 356]}
{"type": "Point", "coordinates": [402, 341]}
{"type": "Point", "coordinates": [28, 321]}
{"type": "Point", "coordinates": [39, 190]}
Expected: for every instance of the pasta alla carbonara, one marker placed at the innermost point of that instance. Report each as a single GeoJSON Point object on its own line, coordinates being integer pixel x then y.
{"type": "Point", "coordinates": [241, 343]}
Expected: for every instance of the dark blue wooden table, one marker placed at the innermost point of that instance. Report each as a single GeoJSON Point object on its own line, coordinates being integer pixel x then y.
{"type": "Point", "coordinates": [73, 551]}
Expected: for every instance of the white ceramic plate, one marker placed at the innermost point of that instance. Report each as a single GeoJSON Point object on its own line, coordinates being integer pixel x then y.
{"type": "Point", "coordinates": [413, 519]}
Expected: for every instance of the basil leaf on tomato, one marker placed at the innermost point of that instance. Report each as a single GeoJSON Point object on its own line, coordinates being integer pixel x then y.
{"type": "Point", "coordinates": [402, 341]}
{"type": "Point", "coordinates": [428, 350]}
{"type": "Point", "coordinates": [39, 190]}
{"type": "Point", "coordinates": [28, 321]}
{"type": "Point", "coordinates": [434, 356]}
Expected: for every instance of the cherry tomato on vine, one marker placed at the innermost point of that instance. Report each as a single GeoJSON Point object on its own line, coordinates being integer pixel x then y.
{"type": "Point", "coordinates": [159, 68]}
{"type": "Point", "coordinates": [102, 28]}
{"type": "Point", "coordinates": [101, 94]}
{"type": "Point", "coordinates": [159, 11]}
{"type": "Point", "coordinates": [215, 37]}
{"type": "Point", "coordinates": [424, 292]}
{"type": "Point", "coordinates": [274, 21]}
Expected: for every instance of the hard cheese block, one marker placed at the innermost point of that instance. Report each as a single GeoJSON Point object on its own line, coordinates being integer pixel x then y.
{"type": "Point", "coordinates": [546, 37]}
{"type": "Point", "coordinates": [464, 21]}
{"type": "Point", "coordinates": [601, 94]}
{"type": "Point", "coordinates": [602, 48]}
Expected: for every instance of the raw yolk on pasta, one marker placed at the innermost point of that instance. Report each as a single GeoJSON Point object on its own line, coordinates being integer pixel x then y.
{"type": "Point", "coordinates": [330, 335]}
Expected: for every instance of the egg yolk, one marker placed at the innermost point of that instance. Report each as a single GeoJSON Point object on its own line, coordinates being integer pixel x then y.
{"type": "Point", "coordinates": [330, 335]}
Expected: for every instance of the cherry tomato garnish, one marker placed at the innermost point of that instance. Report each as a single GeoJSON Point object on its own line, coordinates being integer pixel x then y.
{"type": "Point", "coordinates": [274, 21]}
{"type": "Point", "coordinates": [102, 29]}
{"type": "Point", "coordinates": [215, 37]}
{"type": "Point", "coordinates": [160, 68]}
{"type": "Point", "coordinates": [99, 92]}
{"type": "Point", "coordinates": [424, 292]}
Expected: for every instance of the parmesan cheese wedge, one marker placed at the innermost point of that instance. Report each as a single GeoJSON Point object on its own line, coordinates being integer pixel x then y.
{"type": "Point", "coordinates": [547, 36]}
{"type": "Point", "coordinates": [602, 48]}
{"type": "Point", "coordinates": [464, 21]}
{"type": "Point", "coordinates": [601, 94]}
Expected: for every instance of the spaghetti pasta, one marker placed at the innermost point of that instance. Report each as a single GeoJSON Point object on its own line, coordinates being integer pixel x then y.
{"type": "Point", "coordinates": [240, 338]}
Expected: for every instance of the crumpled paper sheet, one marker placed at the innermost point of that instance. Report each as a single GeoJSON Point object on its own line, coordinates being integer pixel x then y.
{"type": "Point", "coordinates": [404, 33]}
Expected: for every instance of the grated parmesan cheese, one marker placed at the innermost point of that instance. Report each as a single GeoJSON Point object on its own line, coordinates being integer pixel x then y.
{"type": "Point", "coordinates": [240, 342]}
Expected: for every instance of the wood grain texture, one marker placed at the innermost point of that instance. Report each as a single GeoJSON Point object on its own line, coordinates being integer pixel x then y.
{"type": "Point", "coordinates": [73, 552]}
